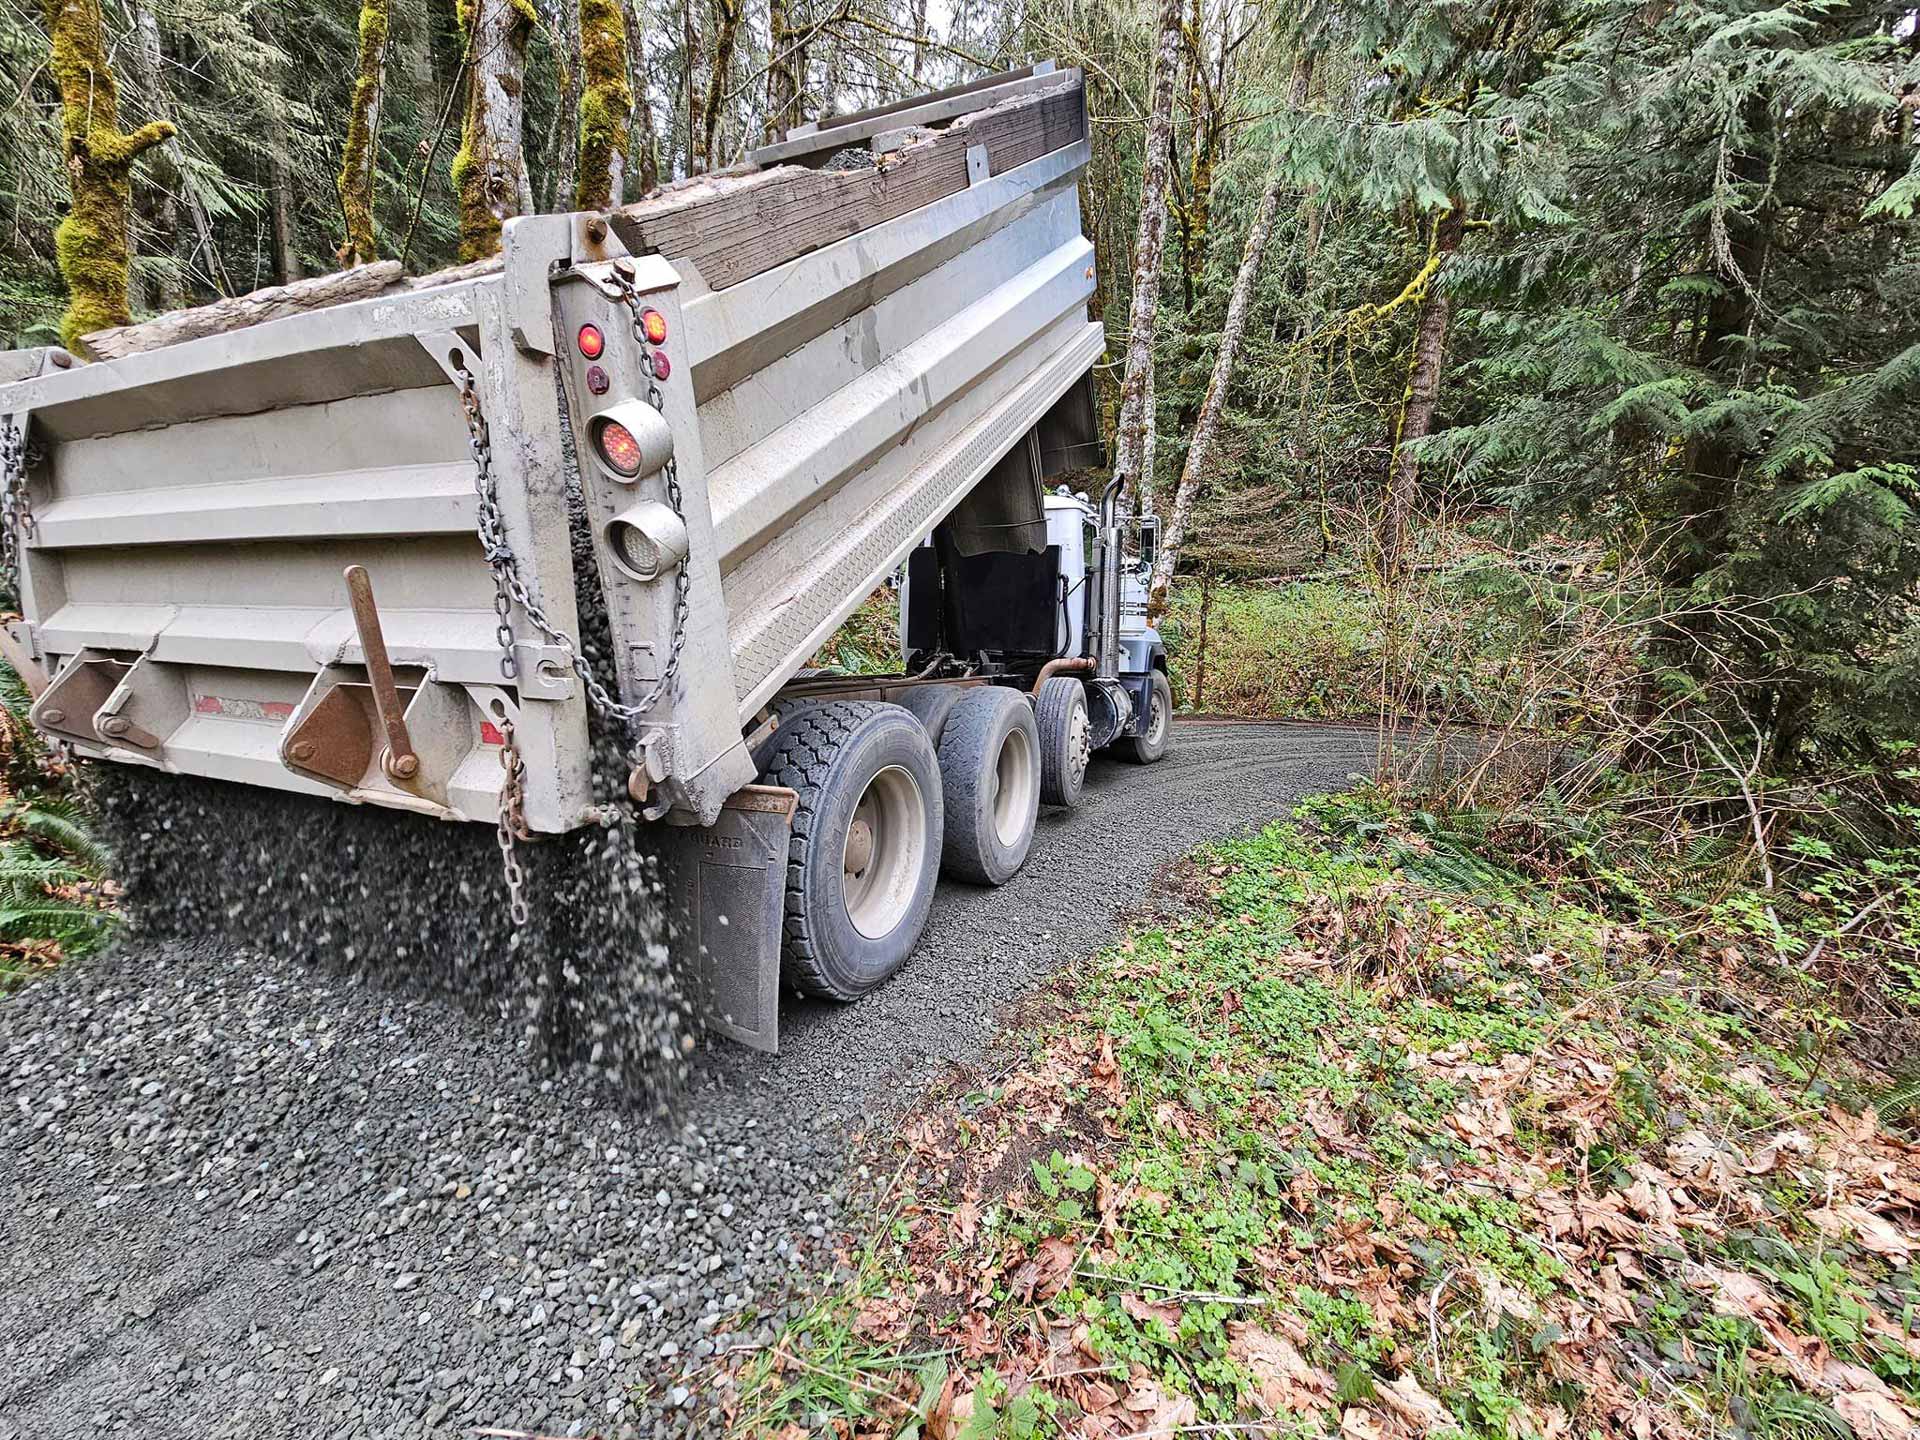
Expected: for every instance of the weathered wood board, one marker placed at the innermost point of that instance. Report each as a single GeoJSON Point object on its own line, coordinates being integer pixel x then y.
{"type": "Point", "coordinates": [734, 227]}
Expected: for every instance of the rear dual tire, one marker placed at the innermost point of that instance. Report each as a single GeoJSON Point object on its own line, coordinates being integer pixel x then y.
{"type": "Point", "coordinates": [990, 768]}
{"type": "Point", "coordinates": [866, 844]}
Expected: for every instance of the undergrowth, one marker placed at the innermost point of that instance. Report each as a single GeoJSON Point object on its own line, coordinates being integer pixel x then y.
{"type": "Point", "coordinates": [1390, 1135]}
{"type": "Point", "coordinates": [55, 897]}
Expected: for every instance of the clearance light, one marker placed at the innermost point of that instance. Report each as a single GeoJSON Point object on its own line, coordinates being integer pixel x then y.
{"type": "Point", "coordinates": [662, 367]}
{"type": "Point", "coordinates": [654, 324]}
{"type": "Point", "coordinates": [619, 449]}
{"type": "Point", "coordinates": [597, 380]}
{"type": "Point", "coordinates": [592, 343]}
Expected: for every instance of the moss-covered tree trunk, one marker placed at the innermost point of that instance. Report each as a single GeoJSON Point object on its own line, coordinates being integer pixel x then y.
{"type": "Point", "coordinates": [490, 171]}
{"type": "Point", "coordinates": [1415, 421]}
{"type": "Point", "coordinates": [91, 243]}
{"type": "Point", "coordinates": [1133, 441]}
{"type": "Point", "coordinates": [783, 86]}
{"type": "Point", "coordinates": [360, 157]}
{"type": "Point", "coordinates": [728, 35]}
{"type": "Point", "coordinates": [606, 105]}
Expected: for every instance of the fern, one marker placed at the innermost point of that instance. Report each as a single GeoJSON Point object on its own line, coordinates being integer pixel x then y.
{"type": "Point", "coordinates": [1899, 1101]}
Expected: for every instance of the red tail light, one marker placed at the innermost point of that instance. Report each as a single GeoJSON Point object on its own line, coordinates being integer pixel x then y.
{"type": "Point", "coordinates": [592, 343]}
{"type": "Point", "coordinates": [618, 448]}
{"type": "Point", "coordinates": [662, 367]}
{"type": "Point", "coordinates": [654, 324]}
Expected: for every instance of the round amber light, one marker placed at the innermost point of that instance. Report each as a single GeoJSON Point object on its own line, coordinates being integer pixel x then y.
{"type": "Point", "coordinates": [591, 341]}
{"type": "Point", "coordinates": [662, 367]}
{"type": "Point", "coordinates": [655, 326]}
{"type": "Point", "coordinates": [619, 449]}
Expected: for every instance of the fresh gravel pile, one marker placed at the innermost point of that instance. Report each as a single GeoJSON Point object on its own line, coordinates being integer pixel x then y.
{"type": "Point", "coordinates": [244, 1196]}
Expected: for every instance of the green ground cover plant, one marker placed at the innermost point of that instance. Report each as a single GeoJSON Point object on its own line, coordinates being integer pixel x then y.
{"type": "Point", "coordinates": [1380, 1133]}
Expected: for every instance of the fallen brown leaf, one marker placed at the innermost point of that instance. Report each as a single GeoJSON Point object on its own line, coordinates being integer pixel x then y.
{"type": "Point", "coordinates": [1284, 1379]}
{"type": "Point", "coordinates": [1413, 1405]}
{"type": "Point", "coordinates": [1144, 1310]}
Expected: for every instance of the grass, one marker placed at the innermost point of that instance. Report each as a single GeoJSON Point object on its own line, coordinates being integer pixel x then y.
{"type": "Point", "coordinates": [1377, 1137]}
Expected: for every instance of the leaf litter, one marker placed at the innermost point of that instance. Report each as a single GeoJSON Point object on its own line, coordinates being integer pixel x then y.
{"type": "Point", "coordinates": [1345, 1152]}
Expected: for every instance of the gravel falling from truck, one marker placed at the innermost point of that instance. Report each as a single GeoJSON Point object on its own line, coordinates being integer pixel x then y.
{"type": "Point", "coordinates": [420, 904]}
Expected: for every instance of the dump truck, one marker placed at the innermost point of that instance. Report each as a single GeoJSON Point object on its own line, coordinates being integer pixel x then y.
{"type": "Point", "coordinates": [345, 555]}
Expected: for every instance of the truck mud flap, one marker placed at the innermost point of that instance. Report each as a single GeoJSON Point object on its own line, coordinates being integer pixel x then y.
{"type": "Point", "coordinates": [728, 885]}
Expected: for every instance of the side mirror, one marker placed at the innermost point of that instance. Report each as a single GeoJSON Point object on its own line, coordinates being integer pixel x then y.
{"type": "Point", "coordinates": [1149, 541]}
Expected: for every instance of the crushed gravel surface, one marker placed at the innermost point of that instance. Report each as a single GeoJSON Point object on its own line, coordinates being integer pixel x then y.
{"type": "Point", "coordinates": [242, 1196]}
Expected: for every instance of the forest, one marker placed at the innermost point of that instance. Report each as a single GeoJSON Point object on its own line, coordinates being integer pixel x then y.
{"type": "Point", "coordinates": [1534, 383]}
{"type": "Point", "coordinates": [1544, 367]}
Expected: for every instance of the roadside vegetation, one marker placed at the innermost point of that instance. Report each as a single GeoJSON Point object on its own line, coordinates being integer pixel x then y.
{"type": "Point", "coordinates": [1408, 1124]}
{"type": "Point", "coordinates": [55, 897]}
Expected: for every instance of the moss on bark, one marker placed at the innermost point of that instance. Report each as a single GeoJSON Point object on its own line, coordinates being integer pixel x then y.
{"type": "Point", "coordinates": [358, 160]}
{"type": "Point", "coordinates": [486, 180]}
{"type": "Point", "coordinates": [91, 243]}
{"type": "Point", "coordinates": [606, 105]}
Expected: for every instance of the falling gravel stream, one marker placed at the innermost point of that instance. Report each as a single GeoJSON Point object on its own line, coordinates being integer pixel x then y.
{"type": "Point", "coordinates": [245, 1196]}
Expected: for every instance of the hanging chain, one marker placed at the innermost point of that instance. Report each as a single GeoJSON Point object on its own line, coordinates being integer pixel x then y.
{"type": "Point", "coordinates": [512, 827]}
{"type": "Point", "coordinates": [671, 475]}
{"type": "Point", "coordinates": [510, 589]}
{"type": "Point", "coordinates": [16, 507]}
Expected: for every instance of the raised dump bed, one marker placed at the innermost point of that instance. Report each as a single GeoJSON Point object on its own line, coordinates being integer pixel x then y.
{"type": "Point", "coordinates": [333, 553]}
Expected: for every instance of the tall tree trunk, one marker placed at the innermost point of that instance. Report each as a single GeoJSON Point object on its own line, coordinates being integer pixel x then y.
{"type": "Point", "coordinates": [490, 172]}
{"type": "Point", "coordinates": [645, 140]}
{"type": "Point", "coordinates": [91, 243]}
{"type": "Point", "coordinates": [359, 158]}
{"type": "Point", "coordinates": [696, 97]}
{"type": "Point", "coordinates": [1206, 431]}
{"type": "Point", "coordinates": [1415, 420]}
{"type": "Point", "coordinates": [286, 251]}
{"type": "Point", "coordinates": [919, 41]}
{"type": "Point", "coordinates": [606, 105]}
{"type": "Point", "coordinates": [1133, 442]}
{"type": "Point", "coordinates": [1201, 105]}
{"type": "Point", "coordinates": [783, 86]}
{"type": "Point", "coordinates": [560, 154]}
{"type": "Point", "coordinates": [723, 43]}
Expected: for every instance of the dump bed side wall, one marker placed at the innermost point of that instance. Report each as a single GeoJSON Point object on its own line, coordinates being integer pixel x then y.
{"type": "Point", "coordinates": [849, 396]}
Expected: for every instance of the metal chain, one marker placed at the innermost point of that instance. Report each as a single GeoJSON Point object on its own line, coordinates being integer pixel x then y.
{"type": "Point", "coordinates": [510, 589]}
{"type": "Point", "coordinates": [16, 508]}
{"type": "Point", "coordinates": [671, 475]}
{"type": "Point", "coordinates": [512, 826]}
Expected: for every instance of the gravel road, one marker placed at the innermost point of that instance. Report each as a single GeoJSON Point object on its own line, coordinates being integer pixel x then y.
{"type": "Point", "coordinates": [240, 1198]}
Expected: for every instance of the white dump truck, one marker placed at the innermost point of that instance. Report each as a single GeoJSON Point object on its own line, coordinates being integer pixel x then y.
{"type": "Point", "coordinates": [342, 554]}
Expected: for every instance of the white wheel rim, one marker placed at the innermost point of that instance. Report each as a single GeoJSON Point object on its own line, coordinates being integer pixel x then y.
{"type": "Point", "coordinates": [880, 858]}
{"type": "Point", "coordinates": [1014, 780]}
{"type": "Point", "coordinates": [1079, 741]}
{"type": "Point", "coordinates": [1156, 718]}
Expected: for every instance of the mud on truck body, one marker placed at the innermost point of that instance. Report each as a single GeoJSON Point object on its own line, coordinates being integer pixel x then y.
{"type": "Point", "coordinates": [341, 554]}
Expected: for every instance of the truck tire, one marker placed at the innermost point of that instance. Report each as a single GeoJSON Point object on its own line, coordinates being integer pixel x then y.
{"type": "Point", "coordinates": [931, 705]}
{"type": "Point", "coordinates": [990, 771]}
{"type": "Point", "coordinates": [1148, 748]}
{"type": "Point", "coordinates": [1060, 710]}
{"type": "Point", "coordinates": [869, 788]}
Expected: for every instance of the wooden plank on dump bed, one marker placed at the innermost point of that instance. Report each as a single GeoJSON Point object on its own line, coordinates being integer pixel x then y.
{"type": "Point", "coordinates": [735, 227]}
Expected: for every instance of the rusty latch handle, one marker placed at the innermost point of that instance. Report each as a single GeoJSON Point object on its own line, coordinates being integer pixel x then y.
{"type": "Point", "coordinates": [398, 760]}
